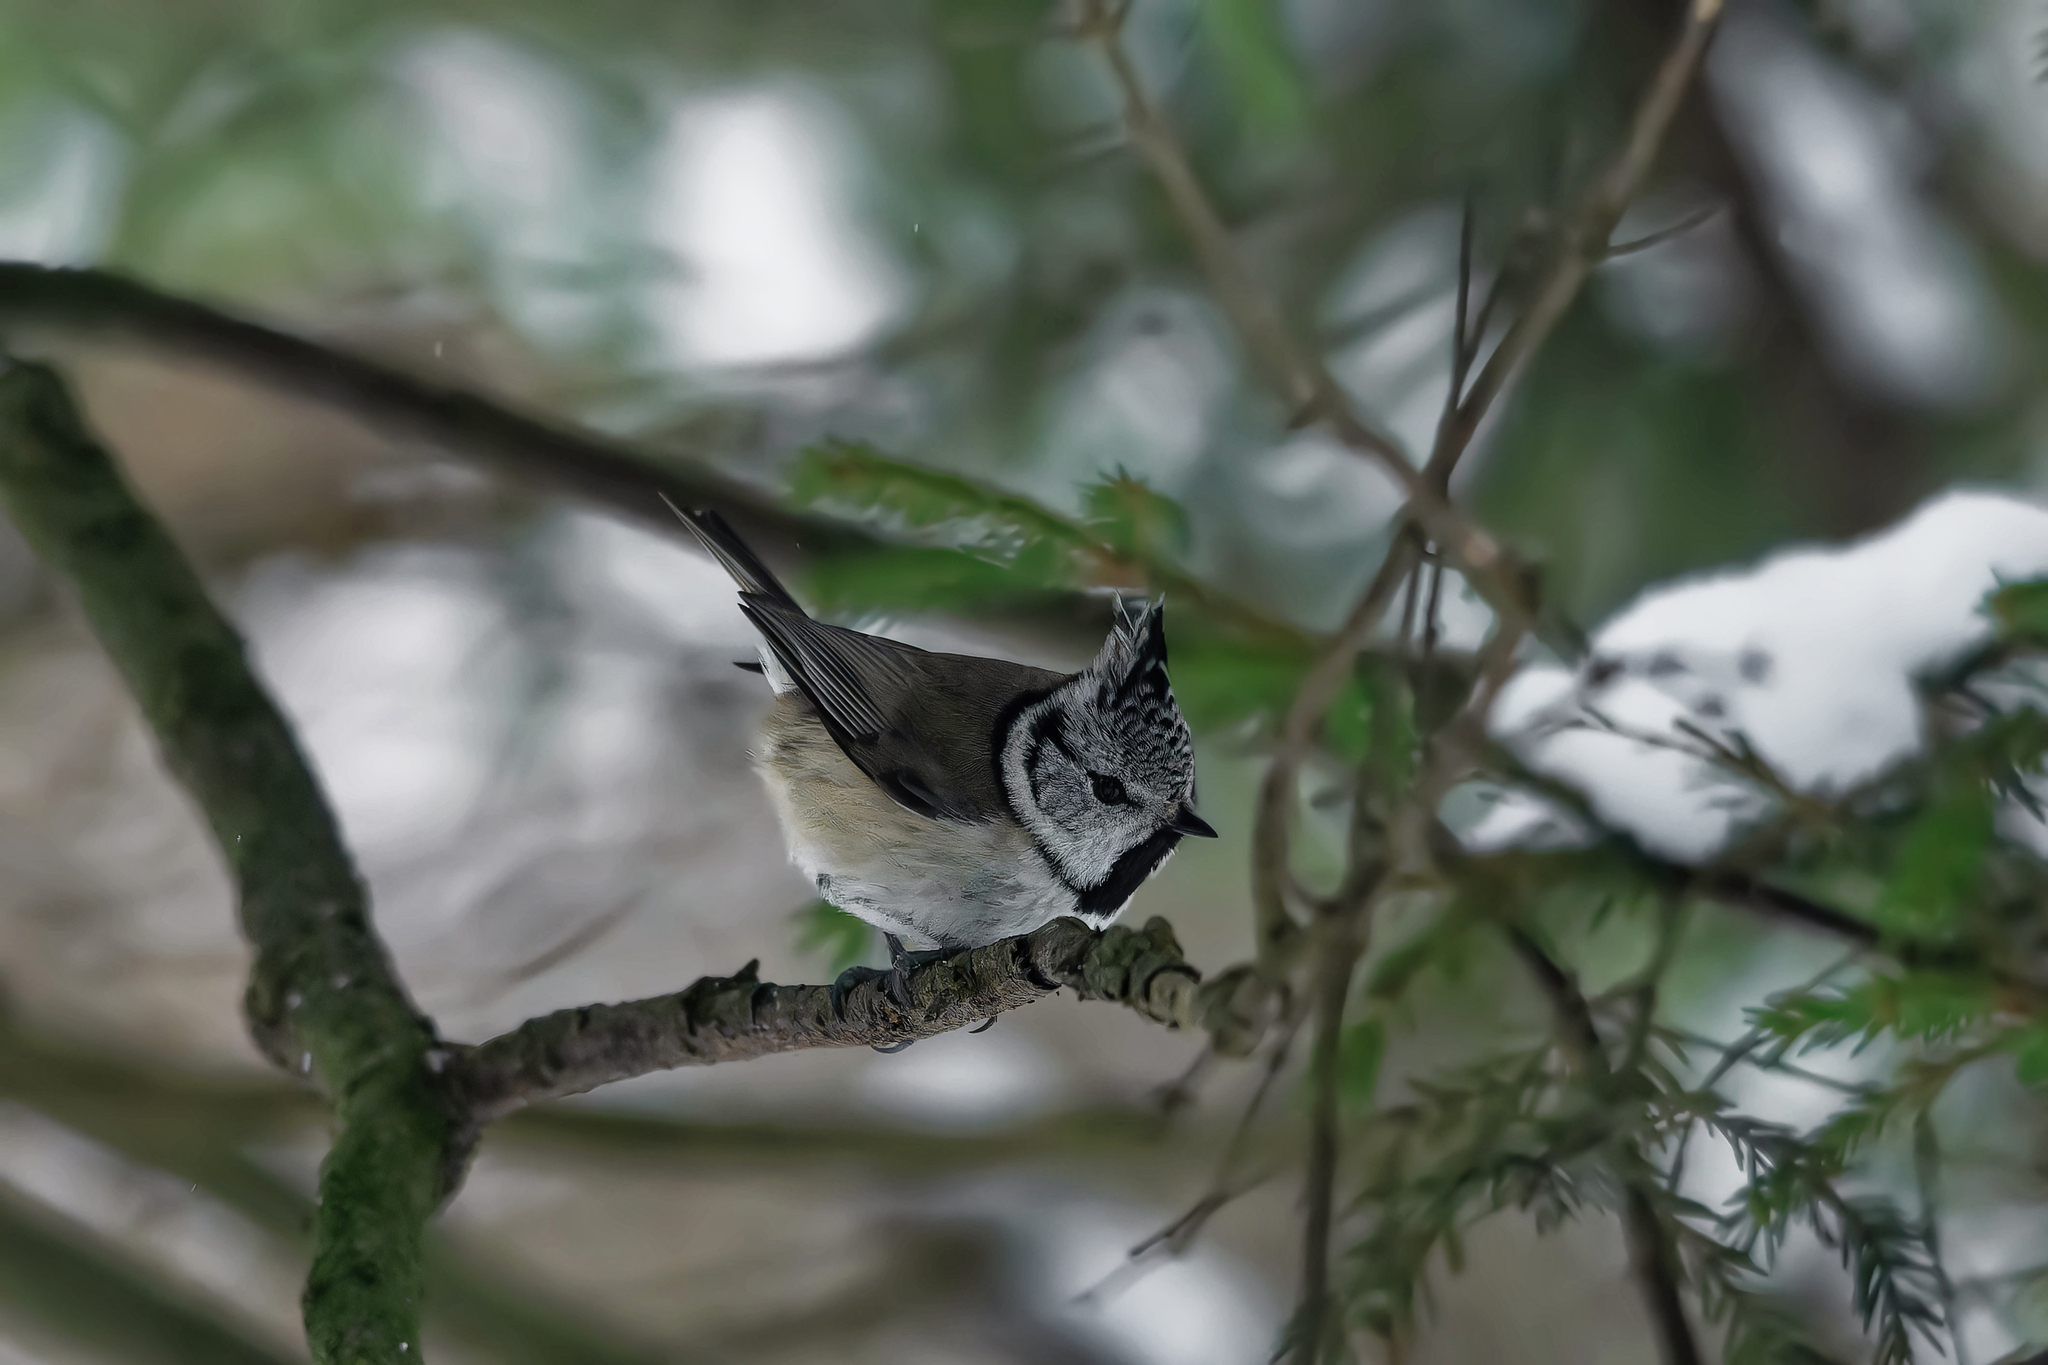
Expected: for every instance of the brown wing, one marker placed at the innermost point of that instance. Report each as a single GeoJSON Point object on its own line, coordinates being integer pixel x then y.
{"type": "Point", "coordinates": [922, 725]}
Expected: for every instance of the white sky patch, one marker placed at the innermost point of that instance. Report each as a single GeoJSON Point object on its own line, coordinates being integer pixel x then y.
{"type": "Point", "coordinates": [962, 1080]}
{"type": "Point", "coordinates": [380, 665]}
{"type": "Point", "coordinates": [504, 126]}
{"type": "Point", "coordinates": [1895, 288]}
{"type": "Point", "coordinates": [1810, 656]}
{"type": "Point", "coordinates": [747, 191]}
{"type": "Point", "coordinates": [506, 146]}
{"type": "Point", "coordinates": [61, 173]}
{"type": "Point", "coordinates": [1145, 402]}
{"type": "Point", "coordinates": [1199, 1309]}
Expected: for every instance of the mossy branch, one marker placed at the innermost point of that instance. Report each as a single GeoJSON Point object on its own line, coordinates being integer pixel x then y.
{"type": "Point", "coordinates": [323, 998]}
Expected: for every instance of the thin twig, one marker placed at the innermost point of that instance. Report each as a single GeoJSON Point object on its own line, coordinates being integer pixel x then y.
{"type": "Point", "coordinates": [1464, 343]}
{"type": "Point", "coordinates": [1303, 382]}
{"type": "Point", "coordinates": [1652, 1259]}
{"type": "Point", "coordinates": [1277, 931]}
{"type": "Point", "coordinates": [1431, 618]}
{"type": "Point", "coordinates": [1584, 240]}
{"type": "Point", "coordinates": [1312, 1322]}
{"type": "Point", "coordinates": [1288, 368]}
{"type": "Point", "coordinates": [1696, 218]}
{"type": "Point", "coordinates": [1227, 1185]}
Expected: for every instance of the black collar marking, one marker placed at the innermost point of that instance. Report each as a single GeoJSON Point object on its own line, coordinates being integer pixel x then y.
{"type": "Point", "coordinates": [1129, 873]}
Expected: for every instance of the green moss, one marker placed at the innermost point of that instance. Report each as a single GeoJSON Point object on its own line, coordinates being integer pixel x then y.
{"type": "Point", "coordinates": [323, 997]}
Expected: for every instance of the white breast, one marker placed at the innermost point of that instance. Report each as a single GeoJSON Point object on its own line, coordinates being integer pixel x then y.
{"type": "Point", "coordinates": [934, 883]}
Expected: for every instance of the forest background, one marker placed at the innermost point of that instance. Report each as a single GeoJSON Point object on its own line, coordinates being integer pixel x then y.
{"type": "Point", "coordinates": [1589, 970]}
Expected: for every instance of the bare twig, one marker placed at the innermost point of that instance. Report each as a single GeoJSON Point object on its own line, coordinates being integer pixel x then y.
{"type": "Point", "coordinates": [1277, 931]}
{"type": "Point", "coordinates": [1697, 218]}
{"type": "Point", "coordinates": [1301, 379]}
{"type": "Point", "coordinates": [1225, 1186]}
{"type": "Point", "coordinates": [1341, 948]}
{"type": "Point", "coordinates": [1652, 1258]}
{"type": "Point", "coordinates": [1464, 337]}
{"type": "Point", "coordinates": [1584, 241]}
{"type": "Point", "coordinates": [1286, 366]}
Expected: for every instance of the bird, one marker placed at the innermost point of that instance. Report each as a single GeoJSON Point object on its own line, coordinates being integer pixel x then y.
{"type": "Point", "coordinates": [953, 800]}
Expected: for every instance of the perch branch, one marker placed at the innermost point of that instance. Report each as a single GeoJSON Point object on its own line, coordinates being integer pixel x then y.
{"type": "Point", "coordinates": [736, 1018]}
{"type": "Point", "coordinates": [322, 994]}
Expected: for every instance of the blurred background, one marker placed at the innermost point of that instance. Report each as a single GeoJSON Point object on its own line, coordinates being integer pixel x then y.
{"type": "Point", "coordinates": [728, 231]}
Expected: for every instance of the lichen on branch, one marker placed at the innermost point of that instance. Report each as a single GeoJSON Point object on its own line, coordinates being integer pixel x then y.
{"type": "Point", "coordinates": [735, 1018]}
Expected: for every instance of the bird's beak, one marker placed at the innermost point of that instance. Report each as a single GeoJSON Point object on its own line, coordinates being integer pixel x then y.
{"type": "Point", "coordinates": [1185, 821]}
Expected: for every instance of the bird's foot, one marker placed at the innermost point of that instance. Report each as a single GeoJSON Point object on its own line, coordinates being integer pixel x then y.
{"type": "Point", "coordinates": [851, 980]}
{"type": "Point", "coordinates": [895, 979]}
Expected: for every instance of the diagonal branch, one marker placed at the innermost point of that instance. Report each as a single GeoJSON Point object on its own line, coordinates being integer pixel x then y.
{"type": "Point", "coordinates": [1277, 932]}
{"type": "Point", "coordinates": [1301, 379]}
{"type": "Point", "coordinates": [613, 474]}
{"type": "Point", "coordinates": [1653, 1260]}
{"type": "Point", "coordinates": [100, 303]}
{"type": "Point", "coordinates": [323, 997]}
{"type": "Point", "coordinates": [737, 1018]}
{"type": "Point", "coordinates": [1344, 943]}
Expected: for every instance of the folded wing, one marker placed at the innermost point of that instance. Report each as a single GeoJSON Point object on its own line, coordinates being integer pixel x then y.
{"type": "Point", "coordinates": [921, 725]}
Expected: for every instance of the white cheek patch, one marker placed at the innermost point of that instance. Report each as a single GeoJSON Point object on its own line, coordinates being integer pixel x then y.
{"type": "Point", "coordinates": [1079, 835]}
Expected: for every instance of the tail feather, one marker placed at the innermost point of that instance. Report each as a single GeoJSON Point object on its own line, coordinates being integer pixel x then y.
{"type": "Point", "coordinates": [728, 549]}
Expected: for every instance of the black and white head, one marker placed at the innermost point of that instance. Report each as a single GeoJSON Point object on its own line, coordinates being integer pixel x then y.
{"type": "Point", "coordinates": [1101, 771]}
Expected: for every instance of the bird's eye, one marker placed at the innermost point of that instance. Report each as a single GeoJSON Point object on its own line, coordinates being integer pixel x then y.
{"type": "Point", "coordinates": [1108, 790]}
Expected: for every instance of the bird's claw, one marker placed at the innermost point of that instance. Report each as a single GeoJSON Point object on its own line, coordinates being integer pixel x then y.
{"type": "Point", "coordinates": [850, 980]}
{"type": "Point", "coordinates": [895, 979]}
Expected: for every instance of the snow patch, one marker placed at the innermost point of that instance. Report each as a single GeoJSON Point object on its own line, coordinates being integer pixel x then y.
{"type": "Point", "coordinates": [1808, 657]}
